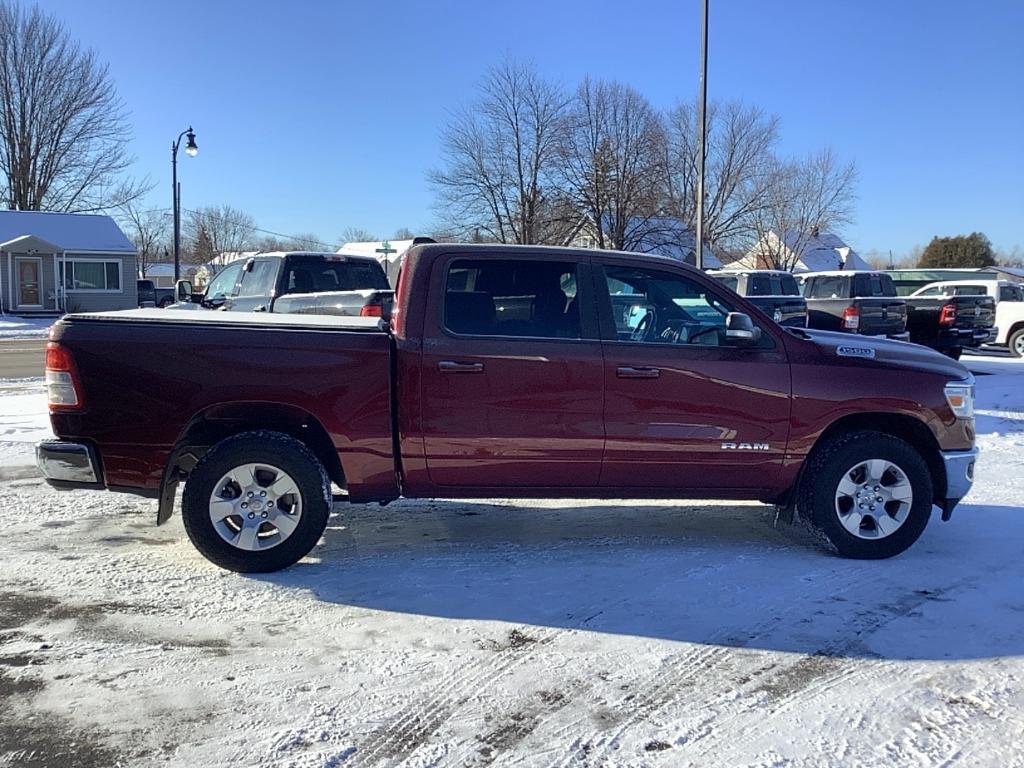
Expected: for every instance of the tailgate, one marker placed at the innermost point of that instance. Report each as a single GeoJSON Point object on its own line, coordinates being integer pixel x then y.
{"type": "Point", "coordinates": [974, 311]}
{"type": "Point", "coordinates": [882, 316]}
{"type": "Point", "coordinates": [784, 310]}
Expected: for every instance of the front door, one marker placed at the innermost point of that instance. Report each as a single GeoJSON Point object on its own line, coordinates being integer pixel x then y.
{"type": "Point", "coordinates": [511, 384]}
{"type": "Point", "coordinates": [684, 409]}
{"type": "Point", "coordinates": [29, 272]}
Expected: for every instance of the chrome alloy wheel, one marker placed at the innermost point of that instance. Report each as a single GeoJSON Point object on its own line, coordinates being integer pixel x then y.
{"type": "Point", "coordinates": [255, 506]}
{"type": "Point", "coordinates": [873, 499]}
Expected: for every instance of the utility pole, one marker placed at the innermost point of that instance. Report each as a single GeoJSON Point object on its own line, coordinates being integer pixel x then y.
{"type": "Point", "coordinates": [702, 135]}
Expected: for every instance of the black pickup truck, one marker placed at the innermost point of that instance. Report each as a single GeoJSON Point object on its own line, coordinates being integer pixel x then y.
{"type": "Point", "coordinates": [295, 283]}
{"type": "Point", "coordinates": [855, 302]}
{"type": "Point", "coordinates": [774, 292]}
{"type": "Point", "coordinates": [951, 323]}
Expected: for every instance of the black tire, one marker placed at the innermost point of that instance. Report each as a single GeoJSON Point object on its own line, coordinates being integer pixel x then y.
{"type": "Point", "coordinates": [1016, 343]}
{"type": "Point", "coordinates": [278, 450]}
{"type": "Point", "coordinates": [953, 352]}
{"type": "Point", "coordinates": [827, 466]}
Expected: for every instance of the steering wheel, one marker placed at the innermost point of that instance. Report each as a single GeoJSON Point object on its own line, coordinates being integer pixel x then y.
{"type": "Point", "coordinates": [645, 327]}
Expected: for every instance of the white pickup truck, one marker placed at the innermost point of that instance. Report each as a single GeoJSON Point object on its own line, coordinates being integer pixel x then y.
{"type": "Point", "coordinates": [1009, 298]}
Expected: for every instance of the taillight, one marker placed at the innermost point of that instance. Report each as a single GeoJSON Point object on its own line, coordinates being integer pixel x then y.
{"type": "Point", "coordinates": [371, 310]}
{"type": "Point", "coordinates": [62, 383]}
{"type": "Point", "coordinates": [851, 318]}
{"type": "Point", "coordinates": [948, 314]}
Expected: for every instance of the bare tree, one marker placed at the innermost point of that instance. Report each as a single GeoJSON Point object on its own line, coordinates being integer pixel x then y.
{"type": "Point", "coordinates": [215, 230]}
{"type": "Point", "coordinates": [63, 129]}
{"type": "Point", "coordinates": [805, 197]}
{"type": "Point", "coordinates": [403, 233]}
{"type": "Point", "coordinates": [357, 235]}
{"type": "Point", "coordinates": [148, 230]}
{"type": "Point", "coordinates": [500, 157]}
{"type": "Point", "coordinates": [306, 241]}
{"type": "Point", "coordinates": [612, 164]}
{"type": "Point", "coordinates": [738, 168]}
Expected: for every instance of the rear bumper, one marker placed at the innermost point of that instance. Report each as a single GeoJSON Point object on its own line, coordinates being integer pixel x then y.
{"type": "Point", "coordinates": [67, 465]}
{"type": "Point", "coordinates": [966, 337]}
{"type": "Point", "coordinates": [959, 477]}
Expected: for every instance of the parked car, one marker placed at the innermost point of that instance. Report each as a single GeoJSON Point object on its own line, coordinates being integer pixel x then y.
{"type": "Point", "coordinates": [858, 302]}
{"type": "Point", "coordinates": [1009, 306]}
{"type": "Point", "coordinates": [295, 283]}
{"type": "Point", "coordinates": [951, 323]}
{"type": "Point", "coordinates": [506, 371]}
{"type": "Point", "coordinates": [774, 292]}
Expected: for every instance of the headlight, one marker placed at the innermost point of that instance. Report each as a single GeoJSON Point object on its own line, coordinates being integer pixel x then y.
{"type": "Point", "coordinates": [960, 396]}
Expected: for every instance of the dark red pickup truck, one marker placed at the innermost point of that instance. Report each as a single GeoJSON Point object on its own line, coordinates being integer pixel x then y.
{"type": "Point", "coordinates": [506, 372]}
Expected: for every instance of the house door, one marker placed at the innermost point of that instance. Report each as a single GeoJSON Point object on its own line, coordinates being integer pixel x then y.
{"type": "Point", "coordinates": [30, 275]}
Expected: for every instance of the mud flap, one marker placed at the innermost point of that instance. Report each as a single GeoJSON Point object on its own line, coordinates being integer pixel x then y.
{"type": "Point", "coordinates": [168, 490]}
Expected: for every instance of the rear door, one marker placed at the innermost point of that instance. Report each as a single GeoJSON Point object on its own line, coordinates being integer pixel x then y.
{"type": "Point", "coordinates": [511, 375]}
{"type": "Point", "coordinates": [683, 410]}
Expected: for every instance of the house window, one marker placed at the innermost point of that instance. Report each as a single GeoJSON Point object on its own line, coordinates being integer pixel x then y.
{"type": "Point", "coordinates": [91, 275]}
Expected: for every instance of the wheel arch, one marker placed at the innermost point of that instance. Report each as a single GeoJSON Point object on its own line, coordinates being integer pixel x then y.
{"type": "Point", "coordinates": [221, 421]}
{"type": "Point", "coordinates": [907, 428]}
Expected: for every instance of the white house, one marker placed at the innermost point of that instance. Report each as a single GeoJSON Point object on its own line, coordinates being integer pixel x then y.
{"type": "Point", "coordinates": [388, 253]}
{"type": "Point", "coordinates": [64, 262]}
{"type": "Point", "coordinates": [162, 273]}
{"type": "Point", "coordinates": [813, 252]}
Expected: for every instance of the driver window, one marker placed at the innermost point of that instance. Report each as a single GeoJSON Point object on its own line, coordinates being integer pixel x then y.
{"type": "Point", "coordinates": [224, 283]}
{"type": "Point", "coordinates": [660, 308]}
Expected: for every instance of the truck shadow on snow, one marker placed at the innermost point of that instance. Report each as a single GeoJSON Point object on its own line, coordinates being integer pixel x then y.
{"type": "Point", "coordinates": [714, 575]}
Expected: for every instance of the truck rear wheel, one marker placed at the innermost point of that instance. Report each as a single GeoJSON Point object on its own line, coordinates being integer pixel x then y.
{"type": "Point", "coordinates": [870, 494]}
{"type": "Point", "coordinates": [1016, 343]}
{"type": "Point", "coordinates": [257, 502]}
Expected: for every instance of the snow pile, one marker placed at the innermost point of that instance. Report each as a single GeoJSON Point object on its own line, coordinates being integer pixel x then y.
{"type": "Point", "coordinates": [23, 420]}
{"type": "Point", "coordinates": [526, 633]}
{"type": "Point", "coordinates": [12, 327]}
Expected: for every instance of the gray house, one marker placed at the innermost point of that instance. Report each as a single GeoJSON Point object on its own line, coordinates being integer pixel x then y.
{"type": "Point", "coordinates": [64, 262]}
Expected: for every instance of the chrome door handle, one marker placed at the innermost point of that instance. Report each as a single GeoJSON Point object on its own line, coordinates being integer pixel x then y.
{"type": "Point", "coordinates": [629, 372]}
{"type": "Point", "coordinates": [451, 366]}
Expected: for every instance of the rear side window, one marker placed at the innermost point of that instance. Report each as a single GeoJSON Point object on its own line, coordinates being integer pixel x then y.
{"type": "Point", "coordinates": [828, 287]}
{"type": "Point", "coordinates": [323, 276]}
{"type": "Point", "coordinates": [509, 297]}
{"type": "Point", "coordinates": [970, 290]}
{"type": "Point", "coordinates": [1011, 293]}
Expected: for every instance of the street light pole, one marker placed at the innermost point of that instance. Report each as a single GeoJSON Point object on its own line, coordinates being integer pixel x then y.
{"type": "Point", "coordinates": [191, 150]}
{"type": "Point", "coordinates": [702, 135]}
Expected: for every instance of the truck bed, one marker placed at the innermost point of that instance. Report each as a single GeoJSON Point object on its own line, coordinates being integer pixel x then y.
{"type": "Point", "coordinates": [148, 375]}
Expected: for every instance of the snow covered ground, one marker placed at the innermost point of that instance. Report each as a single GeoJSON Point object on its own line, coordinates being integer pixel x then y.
{"type": "Point", "coordinates": [547, 633]}
{"type": "Point", "coordinates": [12, 327]}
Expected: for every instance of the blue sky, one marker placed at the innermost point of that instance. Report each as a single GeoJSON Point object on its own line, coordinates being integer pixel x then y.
{"type": "Point", "coordinates": [315, 116]}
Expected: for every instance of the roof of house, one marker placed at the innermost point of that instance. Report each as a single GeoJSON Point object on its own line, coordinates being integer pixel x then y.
{"type": "Point", "coordinates": [75, 232]}
{"type": "Point", "coordinates": [822, 252]}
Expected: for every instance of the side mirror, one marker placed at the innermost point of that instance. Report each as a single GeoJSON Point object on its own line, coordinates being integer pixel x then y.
{"type": "Point", "coordinates": [183, 290]}
{"type": "Point", "coordinates": [740, 330]}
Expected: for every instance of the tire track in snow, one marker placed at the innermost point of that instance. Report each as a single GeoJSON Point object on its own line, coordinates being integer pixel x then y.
{"type": "Point", "coordinates": [421, 718]}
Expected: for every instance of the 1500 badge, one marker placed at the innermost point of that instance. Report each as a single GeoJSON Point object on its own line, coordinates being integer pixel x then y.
{"type": "Point", "coordinates": [867, 352]}
{"type": "Point", "coordinates": [746, 447]}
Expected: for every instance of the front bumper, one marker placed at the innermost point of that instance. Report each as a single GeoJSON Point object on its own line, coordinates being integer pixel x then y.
{"type": "Point", "coordinates": [959, 477]}
{"type": "Point", "coordinates": [68, 465]}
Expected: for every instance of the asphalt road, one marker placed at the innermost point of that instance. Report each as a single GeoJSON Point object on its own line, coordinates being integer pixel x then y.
{"type": "Point", "coordinates": [21, 358]}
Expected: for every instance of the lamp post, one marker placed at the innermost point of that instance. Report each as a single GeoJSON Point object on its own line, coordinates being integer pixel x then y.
{"type": "Point", "coordinates": [191, 150]}
{"type": "Point", "coordinates": [702, 135]}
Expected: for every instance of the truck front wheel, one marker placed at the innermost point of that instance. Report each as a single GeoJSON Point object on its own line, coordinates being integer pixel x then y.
{"type": "Point", "coordinates": [257, 502]}
{"type": "Point", "coordinates": [870, 494]}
